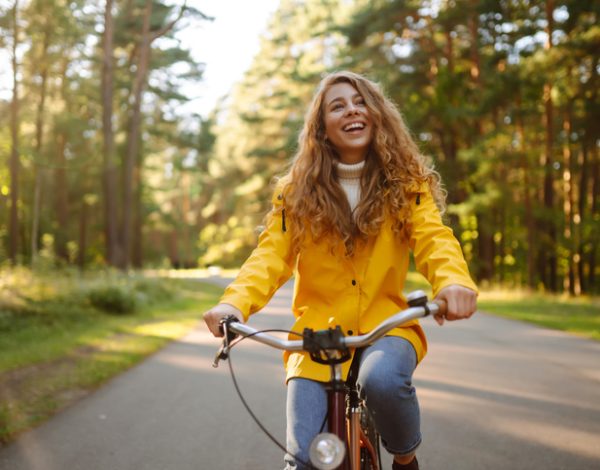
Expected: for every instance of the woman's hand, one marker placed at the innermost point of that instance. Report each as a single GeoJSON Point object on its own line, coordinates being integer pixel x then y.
{"type": "Point", "coordinates": [213, 316]}
{"type": "Point", "coordinates": [461, 303]}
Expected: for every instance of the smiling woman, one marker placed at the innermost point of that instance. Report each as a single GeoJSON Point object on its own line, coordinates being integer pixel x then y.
{"type": "Point", "coordinates": [359, 195]}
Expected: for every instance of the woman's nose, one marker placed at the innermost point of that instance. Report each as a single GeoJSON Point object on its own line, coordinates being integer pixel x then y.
{"type": "Point", "coordinates": [351, 108]}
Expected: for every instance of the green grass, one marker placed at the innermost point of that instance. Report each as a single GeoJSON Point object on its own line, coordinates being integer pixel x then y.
{"type": "Point", "coordinates": [580, 316]}
{"type": "Point", "coordinates": [56, 345]}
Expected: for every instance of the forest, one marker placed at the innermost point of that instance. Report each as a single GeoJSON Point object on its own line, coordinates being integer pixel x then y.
{"type": "Point", "coordinates": [100, 168]}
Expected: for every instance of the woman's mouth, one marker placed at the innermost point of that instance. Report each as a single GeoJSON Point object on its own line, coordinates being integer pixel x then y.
{"type": "Point", "coordinates": [354, 127]}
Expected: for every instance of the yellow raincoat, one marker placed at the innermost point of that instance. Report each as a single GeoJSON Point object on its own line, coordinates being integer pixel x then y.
{"type": "Point", "coordinates": [356, 293]}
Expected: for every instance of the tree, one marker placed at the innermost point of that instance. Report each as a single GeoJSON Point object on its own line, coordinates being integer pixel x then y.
{"type": "Point", "coordinates": [113, 253]}
{"type": "Point", "coordinates": [13, 235]}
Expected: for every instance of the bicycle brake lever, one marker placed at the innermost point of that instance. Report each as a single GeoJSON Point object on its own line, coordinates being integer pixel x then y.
{"type": "Point", "coordinates": [223, 352]}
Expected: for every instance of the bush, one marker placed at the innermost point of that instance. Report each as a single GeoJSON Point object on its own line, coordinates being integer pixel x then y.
{"type": "Point", "coordinates": [155, 290]}
{"type": "Point", "coordinates": [113, 299]}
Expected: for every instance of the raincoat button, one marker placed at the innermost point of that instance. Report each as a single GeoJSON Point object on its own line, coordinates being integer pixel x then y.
{"type": "Point", "coordinates": [353, 282]}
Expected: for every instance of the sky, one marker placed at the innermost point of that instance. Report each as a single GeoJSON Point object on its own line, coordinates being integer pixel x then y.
{"type": "Point", "coordinates": [226, 45]}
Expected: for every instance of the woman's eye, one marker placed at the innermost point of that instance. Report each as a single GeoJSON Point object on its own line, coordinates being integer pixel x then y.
{"type": "Point", "coordinates": [336, 107]}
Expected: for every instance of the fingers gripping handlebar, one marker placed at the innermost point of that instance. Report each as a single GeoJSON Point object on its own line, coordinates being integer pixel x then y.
{"type": "Point", "coordinates": [418, 298]}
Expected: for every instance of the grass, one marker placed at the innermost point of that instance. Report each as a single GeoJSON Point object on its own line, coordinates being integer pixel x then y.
{"type": "Point", "coordinates": [580, 315]}
{"type": "Point", "coordinates": [56, 345]}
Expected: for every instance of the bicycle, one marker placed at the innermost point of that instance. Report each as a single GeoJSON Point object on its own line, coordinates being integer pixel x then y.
{"type": "Point", "coordinates": [351, 442]}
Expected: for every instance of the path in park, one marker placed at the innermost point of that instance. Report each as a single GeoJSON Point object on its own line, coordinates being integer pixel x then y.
{"type": "Point", "coordinates": [494, 393]}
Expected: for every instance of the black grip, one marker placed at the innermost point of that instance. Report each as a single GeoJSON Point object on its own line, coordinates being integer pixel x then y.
{"type": "Point", "coordinates": [223, 327]}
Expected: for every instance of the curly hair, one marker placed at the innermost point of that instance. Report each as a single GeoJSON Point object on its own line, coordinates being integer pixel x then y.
{"type": "Point", "coordinates": [393, 164]}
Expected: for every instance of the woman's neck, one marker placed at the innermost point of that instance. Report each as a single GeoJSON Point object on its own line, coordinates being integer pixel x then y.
{"type": "Point", "coordinates": [350, 158]}
{"type": "Point", "coordinates": [349, 179]}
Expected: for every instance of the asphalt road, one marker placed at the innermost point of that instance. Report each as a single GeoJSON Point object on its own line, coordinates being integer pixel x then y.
{"type": "Point", "coordinates": [494, 393]}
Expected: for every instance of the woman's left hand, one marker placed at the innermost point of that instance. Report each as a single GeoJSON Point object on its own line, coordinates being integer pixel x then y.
{"type": "Point", "coordinates": [461, 303]}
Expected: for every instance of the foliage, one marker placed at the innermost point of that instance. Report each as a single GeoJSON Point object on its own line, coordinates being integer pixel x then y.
{"type": "Point", "coordinates": [503, 96]}
{"type": "Point", "coordinates": [54, 308]}
{"type": "Point", "coordinates": [113, 299]}
{"type": "Point", "coordinates": [503, 99]}
{"type": "Point", "coordinates": [61, 140]}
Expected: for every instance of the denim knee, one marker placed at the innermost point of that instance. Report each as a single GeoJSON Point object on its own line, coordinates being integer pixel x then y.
{"type": "Point", "coordinates": [386, 369]}
{"type": "Point", "coordinates": [385, 383]}
{"type": "Point", "coordinates": [382, 385]}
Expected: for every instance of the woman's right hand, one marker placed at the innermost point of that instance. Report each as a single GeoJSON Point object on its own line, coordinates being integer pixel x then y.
{"type": "Point", "coordinates": [213, 316]}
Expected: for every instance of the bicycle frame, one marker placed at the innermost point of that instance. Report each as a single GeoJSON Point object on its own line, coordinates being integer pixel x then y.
{"type": "Point", "coordinates": [346, 426]}
{"type": "Point", "coordinates": [336, 411]}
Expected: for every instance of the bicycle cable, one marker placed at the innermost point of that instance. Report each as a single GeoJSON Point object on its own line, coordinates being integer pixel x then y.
{"type": "Point", "coordinates": [243, 400]}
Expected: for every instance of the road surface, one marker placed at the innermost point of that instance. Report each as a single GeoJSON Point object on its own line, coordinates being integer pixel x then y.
{"type": "Point", "coordinates": [494, 394]}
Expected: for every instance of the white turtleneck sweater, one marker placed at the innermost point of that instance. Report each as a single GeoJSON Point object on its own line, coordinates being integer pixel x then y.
{"type": "Point", "coordinates": [349, 178]}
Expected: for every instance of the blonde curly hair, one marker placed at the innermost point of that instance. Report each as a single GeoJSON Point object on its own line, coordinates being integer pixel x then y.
{"type": "Point", "coordinates": [314, 200]}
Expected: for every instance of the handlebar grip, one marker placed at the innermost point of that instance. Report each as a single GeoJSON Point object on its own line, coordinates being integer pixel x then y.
{"type": "Point", "coordinates": [442, 307]}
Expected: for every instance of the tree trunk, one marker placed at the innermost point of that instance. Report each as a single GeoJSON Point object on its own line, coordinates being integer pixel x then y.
{"type": "Point", "coordinates": [83, 223]}
{"type": "Point", "coordinates": [138, 257]}
{"type": "Point", "coordinates": [582, 207]}
{"type": "Point", "coordinates": [548, 250]}
{"type": "Point", "coordinates": [174, 249]}
{"type": "Point", "coordinates": [61, 197]}
{"type": "Point", "coordinates": [39, 135]}
{"type": "Point", "coordinates": [114, 252]}
{"type": "Point", "coordinates": [485, 245]}
{"type": "Point", "coordinates": [14, 166]}
{"type": "Point", "coordinates": [186, 209]}
{"type": "Point", "coordinates": [133, 135]}
{"type": "Point", "coordinates": [571, 282]}
{"type": "Point", "coordinates": [528, 215]}
{"type": "Point", "coordinates": [474, 49]}
{"type": "Point", "coordinates": [595, 212]}
{"type": "Point", "coordinates": [60, 193]}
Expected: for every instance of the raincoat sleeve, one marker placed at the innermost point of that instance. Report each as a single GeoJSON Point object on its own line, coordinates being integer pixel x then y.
{"type": "Point", "coordinates": [438, 255]}
{"type": "Point", "coordinates": [269, 266]}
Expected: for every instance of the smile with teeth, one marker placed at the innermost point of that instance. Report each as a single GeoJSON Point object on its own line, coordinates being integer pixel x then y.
{"type": "Point", "coordinates": [353, 126]}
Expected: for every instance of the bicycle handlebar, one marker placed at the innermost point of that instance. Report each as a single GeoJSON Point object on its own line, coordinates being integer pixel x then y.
{"type": "Point", "coordinates": [436, 308]}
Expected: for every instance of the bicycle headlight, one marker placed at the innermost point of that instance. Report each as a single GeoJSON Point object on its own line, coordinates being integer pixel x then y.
{"type": "Point", "coordinates": [326, 451]}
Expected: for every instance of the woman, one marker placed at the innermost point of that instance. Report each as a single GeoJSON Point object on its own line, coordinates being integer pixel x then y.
{"type": "Point", "coordinates": [358, 197]}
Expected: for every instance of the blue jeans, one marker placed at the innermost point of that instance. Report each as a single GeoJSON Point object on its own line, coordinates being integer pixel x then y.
{"type": "Point", "coordinates": [384, 382]}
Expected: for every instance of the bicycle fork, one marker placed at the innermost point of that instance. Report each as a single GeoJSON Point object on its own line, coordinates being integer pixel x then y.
{"type": "Point", "coordinates": [354, 437]}
{"type": "Point", "coordinates": [347, 426]}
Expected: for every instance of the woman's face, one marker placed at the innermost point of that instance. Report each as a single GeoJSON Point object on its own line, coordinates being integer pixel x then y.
{"type": "Point", "coordinates": [347, 122]}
